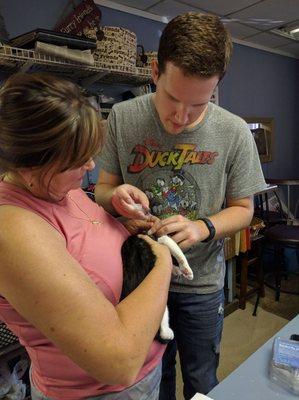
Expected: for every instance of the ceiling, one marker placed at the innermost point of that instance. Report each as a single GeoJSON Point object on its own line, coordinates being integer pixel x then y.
{"type": "Point", "coordinates": [264, 23]}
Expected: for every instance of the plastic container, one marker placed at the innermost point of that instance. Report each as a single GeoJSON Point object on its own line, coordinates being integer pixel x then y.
{"type": "Point", "coordinates": [284, 366]}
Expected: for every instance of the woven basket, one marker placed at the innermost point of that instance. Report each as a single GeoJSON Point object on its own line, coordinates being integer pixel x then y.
{"type": "Point", "coordinates": [255, 226]}
{"type": "Point", "coordinates": [6, 336]}
{"type": "Point", "coordinates": [118, 47]}
{"type": "Point", "coordinates": [150, 55]}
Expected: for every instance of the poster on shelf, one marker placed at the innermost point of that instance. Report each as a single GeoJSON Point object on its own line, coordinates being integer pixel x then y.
{"type": "Point", "coordinates": [85, 15]}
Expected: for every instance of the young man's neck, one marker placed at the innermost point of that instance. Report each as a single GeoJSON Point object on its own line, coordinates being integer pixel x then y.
{"type": "Point", "coordinates": [199, 119]}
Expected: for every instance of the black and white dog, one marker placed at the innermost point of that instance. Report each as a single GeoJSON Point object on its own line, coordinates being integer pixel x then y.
{"type": "Point", "coordinates": [138, 260]}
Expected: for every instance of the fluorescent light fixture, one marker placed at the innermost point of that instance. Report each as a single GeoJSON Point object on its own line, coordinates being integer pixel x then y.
{"type": "Point", "coordinates": [290, 32]}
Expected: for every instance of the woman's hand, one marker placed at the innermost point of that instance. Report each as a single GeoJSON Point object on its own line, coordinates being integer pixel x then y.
{"type": "Point", "coordinates": [135, 226]}
{"type": "Point", "coordinates": [124, 199]}
{"type": "Point", "coordinates": [160, 250]}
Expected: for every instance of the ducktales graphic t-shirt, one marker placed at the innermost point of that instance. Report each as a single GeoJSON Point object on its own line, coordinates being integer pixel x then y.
{"type": "Point", "coordinates": [189, 174]}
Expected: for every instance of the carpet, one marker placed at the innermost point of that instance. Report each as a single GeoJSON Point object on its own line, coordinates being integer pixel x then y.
{"type": "Point", "coordinates": [243, 334]}
{"type": "Point", "coordinates": [287, 307]}
{"type": "Point", "coordinates": [289, 283]}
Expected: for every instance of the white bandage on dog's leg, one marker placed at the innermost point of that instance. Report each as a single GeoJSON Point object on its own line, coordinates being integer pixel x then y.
{"type": "Point", "coordinates": [177, 253]}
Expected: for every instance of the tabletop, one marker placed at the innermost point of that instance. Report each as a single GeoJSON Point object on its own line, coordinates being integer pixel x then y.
{"type": "Point", "coordinates": [250, 381]}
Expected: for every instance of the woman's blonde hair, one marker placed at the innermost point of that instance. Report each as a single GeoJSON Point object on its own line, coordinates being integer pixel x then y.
{"type": "Point", "coordinates": [46, 120]}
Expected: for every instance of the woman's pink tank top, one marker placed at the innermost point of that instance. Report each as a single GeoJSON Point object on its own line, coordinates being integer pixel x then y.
{"type": "Point", "coordinates": [97, 249]}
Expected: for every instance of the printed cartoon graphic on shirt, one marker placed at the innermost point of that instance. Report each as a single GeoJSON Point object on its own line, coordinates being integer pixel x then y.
{"type": "Point", "coordinates": [164, 178]}
{"type": "Point", "coordinates": [171, 192]}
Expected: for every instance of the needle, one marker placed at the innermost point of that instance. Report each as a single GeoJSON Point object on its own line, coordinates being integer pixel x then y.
{"type": "Point", "coordinates": [145, 211]}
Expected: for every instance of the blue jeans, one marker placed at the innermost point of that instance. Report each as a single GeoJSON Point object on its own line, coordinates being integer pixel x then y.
{"type": "Point", "coordinates": [197, 322]}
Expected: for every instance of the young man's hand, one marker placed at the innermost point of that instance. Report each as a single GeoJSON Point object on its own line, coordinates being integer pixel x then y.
{"type": "Point", "coordinates": [124, 200]}
{"type": "Point", "coordinates": [184, 232]}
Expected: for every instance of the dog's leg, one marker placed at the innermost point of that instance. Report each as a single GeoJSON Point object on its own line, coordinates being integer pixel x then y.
{"type": "Point", "coordinates": [177, 253]}
{"type": "Point", "coordinates": [166, 332]}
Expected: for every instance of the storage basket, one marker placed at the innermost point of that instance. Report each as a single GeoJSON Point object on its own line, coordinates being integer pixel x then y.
{"type": "Point", "coordinates": [150, 55]}
{"type": "Point", "coordinates": [119, 47]}
{"type": "Point", "coordinates": [6, 336]}
{"type": "Point", "coordinates": [255, 226]}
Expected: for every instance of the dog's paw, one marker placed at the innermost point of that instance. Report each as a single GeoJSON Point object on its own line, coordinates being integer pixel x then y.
{"type": "Point", "coordinates": [186, 271]}
{"type": "Point", "coordinates": [166, 334]}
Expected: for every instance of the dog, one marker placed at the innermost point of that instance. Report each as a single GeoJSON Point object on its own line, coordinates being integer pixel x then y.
{"type": "Point", "coordinates": [138, 260]}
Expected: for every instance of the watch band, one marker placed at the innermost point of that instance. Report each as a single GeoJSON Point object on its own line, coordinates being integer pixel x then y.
{"type": "Point", "coordinates": [211, 229]}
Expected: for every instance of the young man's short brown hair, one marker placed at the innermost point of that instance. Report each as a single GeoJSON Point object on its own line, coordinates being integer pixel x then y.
{"type": "Point", "coordinates": [197, 43]}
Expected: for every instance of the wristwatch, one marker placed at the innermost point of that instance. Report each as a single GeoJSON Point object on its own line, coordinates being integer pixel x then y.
{"type": "Point", "coordinates": [211, 229]}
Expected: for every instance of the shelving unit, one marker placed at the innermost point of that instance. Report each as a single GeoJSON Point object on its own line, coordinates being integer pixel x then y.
{"type": "Point", "coordinates": [13, 60]}
{"type": "Point", "coordinates": [9, 344]}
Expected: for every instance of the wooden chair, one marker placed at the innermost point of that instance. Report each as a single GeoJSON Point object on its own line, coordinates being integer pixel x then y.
{"type": "Point", "coordinates": [251, 262]}
{"type": "Point", "coordinates": [281, 236]}
{"type": "Point", "coordinates": [289, 184]}
{"type": "Point", "coordinates": [263, 210]}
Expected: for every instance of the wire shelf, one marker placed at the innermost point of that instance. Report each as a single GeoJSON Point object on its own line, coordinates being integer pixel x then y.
{"type": "Point", "coordinates": [13, 60]}
{"type": "Point", "coordinates": [6, 336]}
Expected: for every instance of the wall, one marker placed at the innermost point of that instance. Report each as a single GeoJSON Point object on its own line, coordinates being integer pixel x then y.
{"type": "Point", "coordinates": [264, 84]}
{"type": "Point", "coordinates": [23, 16]}
{"type": "Point", "coordinates": [258, 83]}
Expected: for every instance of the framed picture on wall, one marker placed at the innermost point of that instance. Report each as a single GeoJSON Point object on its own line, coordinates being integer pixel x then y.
{"type": "Point", "coordinates": [262, 131]}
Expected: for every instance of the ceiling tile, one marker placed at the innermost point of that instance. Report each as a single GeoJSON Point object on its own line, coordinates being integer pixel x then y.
{"type": "Point", "coordinates": [243, 24]}
{"type": "Point", "coordinates": [170, 8]}
{"type": "Point", "coordinates": [139, 4]}
{"type": "Point", "coordinates": [240, 31]}
{"type": "Point", "coordinates": [269, 40]}
{"type": "Point", "coordinates": [292, 48]}
{"type": "Point", "coordinates": [269, 13]}
{"type": "Point", "coordinates": [220, 7]}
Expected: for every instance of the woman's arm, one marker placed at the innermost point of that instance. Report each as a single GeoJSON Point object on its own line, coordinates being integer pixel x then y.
{"type": "Point", "coordinates": [50, 289]}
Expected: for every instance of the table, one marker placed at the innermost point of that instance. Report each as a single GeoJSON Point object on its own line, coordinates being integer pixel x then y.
{"type": "Point", "coordinates": [250, 381]}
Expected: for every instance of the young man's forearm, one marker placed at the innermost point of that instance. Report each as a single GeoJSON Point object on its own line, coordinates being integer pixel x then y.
{"type": "Point", "coordinates": [231, 220]}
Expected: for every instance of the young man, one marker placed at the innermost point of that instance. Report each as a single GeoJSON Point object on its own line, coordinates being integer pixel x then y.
{"type": "Point", "coordinates": [184, 157]}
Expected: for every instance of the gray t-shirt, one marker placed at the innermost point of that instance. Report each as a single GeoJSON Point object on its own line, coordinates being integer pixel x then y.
{"type": "Point", "coordinates": [189, 174]}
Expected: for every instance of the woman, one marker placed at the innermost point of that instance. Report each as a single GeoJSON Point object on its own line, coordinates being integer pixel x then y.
{"type": "Point", "coordinates": [61, 270]}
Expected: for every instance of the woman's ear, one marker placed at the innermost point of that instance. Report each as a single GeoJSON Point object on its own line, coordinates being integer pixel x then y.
{"type": "Point", "coordinates": [27, 175]}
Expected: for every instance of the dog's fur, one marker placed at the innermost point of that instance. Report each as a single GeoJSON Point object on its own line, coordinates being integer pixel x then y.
{"type": "Point", "coordinates": [138, 260]}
